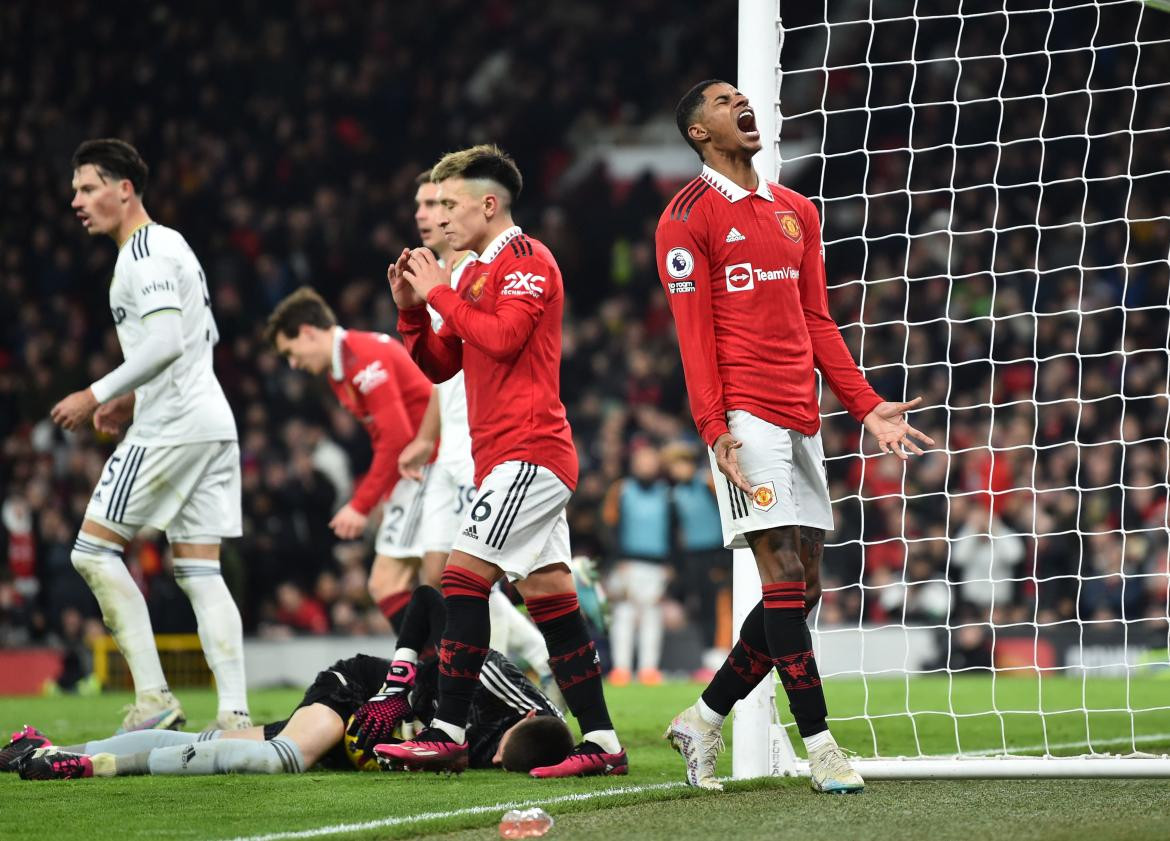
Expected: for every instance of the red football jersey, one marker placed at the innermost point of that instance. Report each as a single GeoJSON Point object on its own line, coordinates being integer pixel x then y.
{"type": "Point", "coordinates": [376, 381]}
{"type": "Point", "coordinates": [502, 326]}
{"type": "Point", "coordinates": [745, 276]}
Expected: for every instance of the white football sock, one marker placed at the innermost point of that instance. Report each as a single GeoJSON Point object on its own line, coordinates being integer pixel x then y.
{"type": "Point", "coordinates": [709, 715]}
{"type": "Point", "coordinates": [607, 740]}
{"type": "Point", "coordinates": [621, 634]}
{"type": "Point", "coordinates": [221, 632]}
{"type": "Point", "coordinates": [819, 740]}
{"type": "Point", "coordinates": [649, 636]}
{"type": "Point", "coordinates": [138, 741]}
{"type": "Point", "coordinates": [123, 608]}
{"type": "Point", "coordinates": [408, 655]}
{"type": "Point", "coordinates": [459, 734]}
{"type": "Point", "coordinates": [229, 756]}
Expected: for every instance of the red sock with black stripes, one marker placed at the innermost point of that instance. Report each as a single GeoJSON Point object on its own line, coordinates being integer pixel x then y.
{"type": "Point", "coordinates": [790, 647]}
{"type": "Point", "coordinates": [572, 656]}
{"type": "Point", "coordinates": [393, 607]}
{"type": "Point", "coordinates": [463, 647]}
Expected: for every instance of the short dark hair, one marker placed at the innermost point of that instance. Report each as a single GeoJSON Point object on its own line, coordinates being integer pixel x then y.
{"type": "Point", "coordinates": [114, 158]}
{"type": "Point", "coordinates": [423, 177]}
{"type": "Point", "coordinates": [485, 161]}
{"type": "Point", "coordinates": [536, 742]}
{"type": "Point", "coordinates": [687, 110]}
{"type": "Point", "coordinates": [304, 306]}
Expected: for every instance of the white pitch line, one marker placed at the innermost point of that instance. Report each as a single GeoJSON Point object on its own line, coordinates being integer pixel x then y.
{"type": "Point", "coordinates": [383, 823]}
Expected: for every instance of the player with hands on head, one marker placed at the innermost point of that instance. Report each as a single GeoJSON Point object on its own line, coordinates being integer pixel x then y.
{"type": "Point", "coordinates": [742, 263]}
{"type": "Point", "coordinates": [502, 327]}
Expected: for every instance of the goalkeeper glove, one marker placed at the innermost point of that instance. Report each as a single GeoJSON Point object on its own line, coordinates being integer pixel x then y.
{"type": "Point", "coordinates": [375, 720]}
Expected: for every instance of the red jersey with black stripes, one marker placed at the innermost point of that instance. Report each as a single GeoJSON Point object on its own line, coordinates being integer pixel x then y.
{"type": "Point", "coordinates": [502, 326]}
{"type": "Point", "coordinates": [744, 273]}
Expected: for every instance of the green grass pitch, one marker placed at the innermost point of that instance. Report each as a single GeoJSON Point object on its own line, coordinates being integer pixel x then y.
{"type": "Point", "coordinates": [649, 803]}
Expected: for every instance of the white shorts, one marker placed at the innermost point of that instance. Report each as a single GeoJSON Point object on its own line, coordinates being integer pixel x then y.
{"type": "Point", "coordinates": [787, 474]}
{"type": "Point", "coordinates": [640, 582]}
{"type": "Point", "coordinates": [186, 490]}
{"type": "Point", "coordinates": [517, 520]}
{"type": "Point", "coordinates": [399, 532]}
{"type": "Point", "coordinates": [448, 496]}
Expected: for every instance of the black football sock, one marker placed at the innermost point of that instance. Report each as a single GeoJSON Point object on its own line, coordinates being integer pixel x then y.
{"type": "Point", "coordinates": [790, 644]}
{"type": "Point", "coordinates": [572, 656]}
{"type": "Point", "coordinates": [745, 666]}
{"type": "Point", "coordinates": [424, 619]}
{"type": "Point", "coordinates": [464, 644]}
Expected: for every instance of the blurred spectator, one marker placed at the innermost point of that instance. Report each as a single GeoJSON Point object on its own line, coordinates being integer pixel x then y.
{"type": "Point", "coordinates": [638, 512]}
{"type": "Point", "coordinates": [704, 564]}
{"type": "Point", "coordinates": [987, 555]}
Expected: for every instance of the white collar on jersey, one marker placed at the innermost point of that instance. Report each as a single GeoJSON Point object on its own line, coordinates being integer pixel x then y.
{"type": "Point", "coordinates": [497, 245]}
{"type": "Point", "coordinates": [338, 371]}
{"type": "Point", "coordinates": [729, 189]}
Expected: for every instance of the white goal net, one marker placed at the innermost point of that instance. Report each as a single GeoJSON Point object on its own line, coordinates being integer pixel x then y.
{"type": "Point", "coordinates": [994, 182]}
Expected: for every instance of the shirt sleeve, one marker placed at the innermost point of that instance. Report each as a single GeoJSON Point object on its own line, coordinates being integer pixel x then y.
{"type": "Point", "coordinates": [830, 353]}
{"type": "Point", "coordinates": [520, 302]}
{"type": "Point", "coordinates": [390, 430]}
{"type": "Point", "coordinates": [439, 355]}
{"type": "Point", "coordinates": [162, 346]}
{"type": "Point", "coordinates": [685, 274]}
{"type": "Point", "coordinates": [154, 283]}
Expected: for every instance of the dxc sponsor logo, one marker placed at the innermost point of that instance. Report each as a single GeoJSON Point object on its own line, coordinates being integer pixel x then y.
{"type": "Point", "coordinates": [523, 283]}
{"type": "Point", "coordinates": [370, 377]}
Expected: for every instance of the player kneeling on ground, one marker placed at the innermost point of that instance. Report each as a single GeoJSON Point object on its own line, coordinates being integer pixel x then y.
{"type": "Point", "coordinates": [513, 725]}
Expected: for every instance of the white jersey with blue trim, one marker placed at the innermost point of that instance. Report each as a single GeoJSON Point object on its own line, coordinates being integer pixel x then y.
{"type": "Point", "coordinates": [158, 272]}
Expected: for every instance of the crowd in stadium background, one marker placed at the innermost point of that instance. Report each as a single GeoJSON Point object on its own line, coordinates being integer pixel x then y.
{"type": "Point", "coordinates": [288, 157]}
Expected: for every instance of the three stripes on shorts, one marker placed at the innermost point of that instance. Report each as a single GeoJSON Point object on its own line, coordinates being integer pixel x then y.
{"type": "Point", "coordinates": [120, 496]}
{"type": "Point", "coordinates": [511, 507]}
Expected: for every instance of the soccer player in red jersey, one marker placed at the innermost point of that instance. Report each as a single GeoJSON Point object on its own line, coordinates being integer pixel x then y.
{"type": "Point", "coordinates": [376, 381]}
{"type": "Point", "coordinates": [743, 267]}
{"type": "Point", "coordinates": [502, 327]}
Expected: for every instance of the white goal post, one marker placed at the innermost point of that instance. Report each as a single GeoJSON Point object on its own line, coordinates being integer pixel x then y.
{"type": "Point", "coordinates": [1028, 204]}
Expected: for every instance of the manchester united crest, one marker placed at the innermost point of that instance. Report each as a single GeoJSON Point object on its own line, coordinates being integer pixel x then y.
{"type": "Point", "coordinates": [477, 288]}
{"type": "Point", "coordinates": [789, 224]}
{"type": "Point", "coordinates": [764, 496]}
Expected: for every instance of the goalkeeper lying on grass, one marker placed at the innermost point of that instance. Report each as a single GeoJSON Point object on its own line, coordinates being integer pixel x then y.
{"type": "Point", "coordinates": [513, 724]}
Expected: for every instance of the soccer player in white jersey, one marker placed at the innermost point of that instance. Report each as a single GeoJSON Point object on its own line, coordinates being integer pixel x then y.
{"type": "Point", "coordinates": [450, 487]}
{"type": "Point", "coordinates": [178, 466]}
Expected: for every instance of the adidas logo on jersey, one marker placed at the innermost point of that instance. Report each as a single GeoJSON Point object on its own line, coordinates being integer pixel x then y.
{"type": "Point", "coordinates": [734, 236]}
{"type": "Point", "coordinates": [471, 532]}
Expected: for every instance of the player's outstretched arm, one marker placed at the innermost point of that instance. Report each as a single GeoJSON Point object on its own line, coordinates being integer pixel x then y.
{"type": "Point", "coordinates": [887, 423]}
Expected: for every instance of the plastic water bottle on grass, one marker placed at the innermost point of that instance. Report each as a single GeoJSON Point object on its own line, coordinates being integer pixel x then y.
{"type": "Point", "coordinates": [525, 823]}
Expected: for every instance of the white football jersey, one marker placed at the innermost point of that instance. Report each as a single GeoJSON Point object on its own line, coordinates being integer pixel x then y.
{"type": "Point", "coordinates": [454, 433]}
{"type": "Point", "coordinates": [157, 271]}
